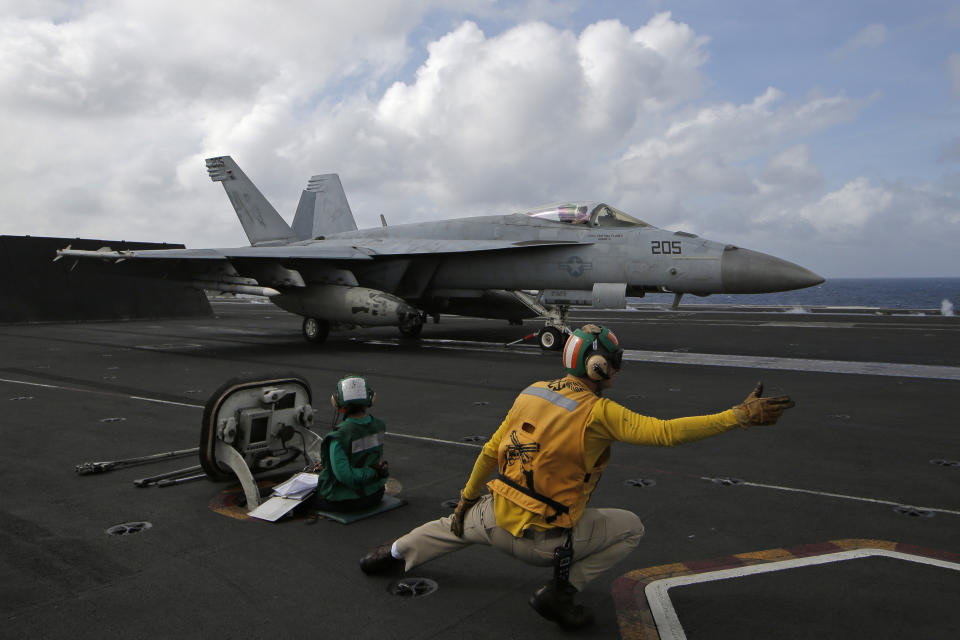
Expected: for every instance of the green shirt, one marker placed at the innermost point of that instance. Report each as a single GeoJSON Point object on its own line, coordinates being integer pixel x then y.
{"type": "Point", "coordinates": [350, 455]}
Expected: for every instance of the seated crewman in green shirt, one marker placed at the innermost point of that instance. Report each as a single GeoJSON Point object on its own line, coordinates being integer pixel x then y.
{"type": "Point", "coordinates": [354, 472]}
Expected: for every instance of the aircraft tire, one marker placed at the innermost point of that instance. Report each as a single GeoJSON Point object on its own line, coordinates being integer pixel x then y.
{"type": "Point", "coordinates": [412, 328]}
{"type": "Point", "coordinates": [315, 330]}
{"type": "Point", "coordinates": [551, 339]}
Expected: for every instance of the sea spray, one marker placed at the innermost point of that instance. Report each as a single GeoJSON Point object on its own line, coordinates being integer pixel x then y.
{"type": "Point", "coordinates": [946, 308]}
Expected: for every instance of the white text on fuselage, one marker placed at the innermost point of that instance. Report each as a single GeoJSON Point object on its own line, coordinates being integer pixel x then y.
{"type": "Point", "coordinates": [606, 236]}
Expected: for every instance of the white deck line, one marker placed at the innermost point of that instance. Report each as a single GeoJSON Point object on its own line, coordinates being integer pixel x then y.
{"type": "Point", "coordinates": [827, 494]}
{"type": "Point", "coordinates": [665, 616]}
{"type": "Point", "coordinates": [472, 445]}
{"type": "Point", "coordinates": [798, 364]}
{"type": "Point", "coordinates": [36, 384]}
{"type": "Point", "coordinates": [171, 403]}
{"type": "Point", "coordinates": [890, 369]}
{"type": "Point", "coordinates": [100, 392]}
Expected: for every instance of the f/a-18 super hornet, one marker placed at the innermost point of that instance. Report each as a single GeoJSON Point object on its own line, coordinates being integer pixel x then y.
{"type": "Point", "coordinates": [530, 264]}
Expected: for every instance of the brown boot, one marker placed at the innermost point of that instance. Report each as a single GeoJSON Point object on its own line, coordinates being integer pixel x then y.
{"type": "Point", "coordinates": [381, 561]}
{"type": "Point", "coordinates": [557, 604]}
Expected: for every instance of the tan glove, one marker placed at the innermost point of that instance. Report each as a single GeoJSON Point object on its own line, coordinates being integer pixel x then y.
{"type": "Point", "coordinates": [757, 411]}
{"type": "Point", "coordinates": [460, 514]}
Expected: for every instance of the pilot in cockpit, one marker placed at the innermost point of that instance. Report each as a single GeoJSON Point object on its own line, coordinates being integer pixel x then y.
{"type": "Point", "coordinates": [574, 215]}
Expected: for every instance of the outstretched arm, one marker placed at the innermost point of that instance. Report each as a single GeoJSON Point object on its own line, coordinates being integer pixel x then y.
{"type": "Point", "coordinates": [615, 422]}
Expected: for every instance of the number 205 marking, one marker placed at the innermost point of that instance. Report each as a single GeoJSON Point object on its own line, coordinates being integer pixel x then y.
{"type": "Point", "coordinates": [665, 247]}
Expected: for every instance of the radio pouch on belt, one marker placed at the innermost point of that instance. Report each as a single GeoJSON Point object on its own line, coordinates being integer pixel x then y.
{"type": "Point", "coordinates": [562, 559]}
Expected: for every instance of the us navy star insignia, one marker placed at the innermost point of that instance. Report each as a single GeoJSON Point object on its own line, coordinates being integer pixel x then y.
{"type": "Point", "coordinates": [575, 266]}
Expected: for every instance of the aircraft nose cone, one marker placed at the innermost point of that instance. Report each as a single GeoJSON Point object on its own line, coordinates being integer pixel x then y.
{"type": "Point", "coordinates": [746, 271]}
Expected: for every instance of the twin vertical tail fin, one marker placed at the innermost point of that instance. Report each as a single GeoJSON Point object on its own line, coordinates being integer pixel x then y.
{"type": "Point", "coordinates": [261, 222]}
{"type": "Point", "coordinates": [323, 207]}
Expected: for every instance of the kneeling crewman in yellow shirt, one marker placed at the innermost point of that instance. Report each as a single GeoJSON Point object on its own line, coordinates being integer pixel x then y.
{"type": "Point", "coordinates": [547, 457]}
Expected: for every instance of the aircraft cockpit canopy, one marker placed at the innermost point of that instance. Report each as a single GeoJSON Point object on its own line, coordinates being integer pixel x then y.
{"type": "Point", "coordinates": [593, 214]}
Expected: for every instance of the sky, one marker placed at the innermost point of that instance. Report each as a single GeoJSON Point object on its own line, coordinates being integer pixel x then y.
{"type": "Point", "coordinates": [826, 133]}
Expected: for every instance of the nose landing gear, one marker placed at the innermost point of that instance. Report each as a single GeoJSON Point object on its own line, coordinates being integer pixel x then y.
{"type": "Point", "coordinates": [551, 338]}
{"type": "Point", "coordinates": [555, 331]}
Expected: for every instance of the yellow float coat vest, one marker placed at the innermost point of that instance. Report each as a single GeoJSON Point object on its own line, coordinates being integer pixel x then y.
{"type": "Point", "coordinates": [541, 465]}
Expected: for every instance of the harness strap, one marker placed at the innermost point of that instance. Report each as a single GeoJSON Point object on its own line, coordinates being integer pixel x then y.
{"type": "Point", "coordinates": [560, 509]}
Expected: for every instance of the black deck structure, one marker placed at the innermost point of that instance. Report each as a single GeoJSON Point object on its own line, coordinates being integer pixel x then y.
{"type": "Point", "coordinates": [38, 289]}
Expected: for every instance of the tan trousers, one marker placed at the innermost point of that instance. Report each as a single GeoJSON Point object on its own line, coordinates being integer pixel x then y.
{"type": "Point", "coordinates": [600, 539]}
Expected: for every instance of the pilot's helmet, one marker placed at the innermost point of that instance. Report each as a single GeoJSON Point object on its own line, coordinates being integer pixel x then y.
{"type": "Point", "coordinates": [592, 351]}
{"type": "Point", "coordinates": [353, 391]}
{"type": "Point", "coordinates": [572, 213]}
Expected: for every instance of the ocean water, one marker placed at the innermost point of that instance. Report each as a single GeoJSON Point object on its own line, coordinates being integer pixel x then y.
{"type": "Point", "coordinates": [941, 294]}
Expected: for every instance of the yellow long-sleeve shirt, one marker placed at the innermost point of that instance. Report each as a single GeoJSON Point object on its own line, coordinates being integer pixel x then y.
{"type": "Point", "coordinates": [608, 422]}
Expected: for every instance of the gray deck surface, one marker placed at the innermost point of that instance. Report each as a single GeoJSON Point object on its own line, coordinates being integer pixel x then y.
{"type": "Point", "coordinates": [857, 445]}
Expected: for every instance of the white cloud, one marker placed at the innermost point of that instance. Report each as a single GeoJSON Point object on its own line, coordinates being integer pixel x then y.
{"type": "Point", "coordinates": [118, 57]}
{"type": "Point", "coordinates": [870, 37]}
{"type": "Point", "coordinates": [653, 68]}
{"type": "Point", "coordinates": [107, 110]}
{"type": "Point", "coordinates": [535, 113]}
{"type": "Point", "coordinates": [791, 169]}
{"type": "Point", "coordinates": [727, 165]}
{"type": "Point", "coordinates": [101, 104]}
{"type": "Point", "coordinates": [742, 131]}
{"type": "Point", "coordinates": [847, 210]}
{"type": "Point", "coordinates": [868, 228]}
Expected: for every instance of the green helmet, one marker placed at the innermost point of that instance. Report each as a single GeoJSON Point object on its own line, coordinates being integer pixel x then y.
{"type": "Point", "coordinates": [591, 351]}
{"type": "Point", "coordinates": [353, 390]}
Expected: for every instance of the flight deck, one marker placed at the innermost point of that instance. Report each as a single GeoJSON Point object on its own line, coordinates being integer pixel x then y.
{"type": "Point", "coordinates": [843, 520]}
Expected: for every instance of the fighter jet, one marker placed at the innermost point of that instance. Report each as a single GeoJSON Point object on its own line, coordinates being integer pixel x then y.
{"type": "Point", "coordinates": [534, 263]}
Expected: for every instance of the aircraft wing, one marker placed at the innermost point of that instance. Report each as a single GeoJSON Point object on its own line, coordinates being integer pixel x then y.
{"type": "Point", "coordinates": [247, 270]}
{"type": "Point", "coordinates": [267, 253]}
{"type": "Point", "coordinates": [346, 249]}
{"type": "Point", "coordinates": [260, 270]}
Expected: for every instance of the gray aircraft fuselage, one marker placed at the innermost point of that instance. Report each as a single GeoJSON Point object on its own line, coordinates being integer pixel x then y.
{"type": "Point", "coordinates": [644, 257]}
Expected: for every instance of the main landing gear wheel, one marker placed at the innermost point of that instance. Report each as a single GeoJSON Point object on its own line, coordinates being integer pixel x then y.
{"type": "Point", "coordinates": [551, 339]}
{"type": "Point", "coordinates": [412, 327]}
{"type": "Point", "coordinates": [315, 330]}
